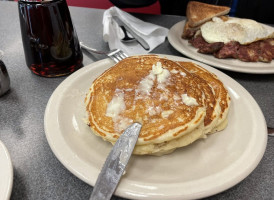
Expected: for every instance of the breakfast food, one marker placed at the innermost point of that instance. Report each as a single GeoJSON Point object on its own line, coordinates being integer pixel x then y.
{"type": "Point", "coordinates": [176, 102]}
{"type": "Point", "coordinates": [198, 13]}
{"type": "Point", "coordinates": [227, 37]}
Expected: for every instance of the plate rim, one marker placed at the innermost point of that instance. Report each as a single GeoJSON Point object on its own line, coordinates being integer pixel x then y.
{"type": "Point", "coordinates": [8, 162]}
{"type": "Point", "coordinates": [126, 192]}
{"type": "Point", "coordinates": [175, 40]}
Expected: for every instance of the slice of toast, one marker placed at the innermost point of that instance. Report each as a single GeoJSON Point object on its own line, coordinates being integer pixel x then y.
{"type": "Point", "coordinates": [188, 31]}
{"type": "Point", "coordinates": [198, 13]}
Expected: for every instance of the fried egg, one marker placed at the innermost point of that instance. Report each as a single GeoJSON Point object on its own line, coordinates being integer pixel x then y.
{"type": "Point", "coordinates": [244, 31]}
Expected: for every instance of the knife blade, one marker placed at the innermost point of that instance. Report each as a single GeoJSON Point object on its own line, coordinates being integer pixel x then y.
{"type": "Point", "coordinates": [115, 163]}
{"type": "Point", "coordinates": [138, 38]}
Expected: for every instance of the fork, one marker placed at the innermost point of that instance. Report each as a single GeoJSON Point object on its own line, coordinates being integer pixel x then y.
{"type": "Point", "coordinates": [115, 54]}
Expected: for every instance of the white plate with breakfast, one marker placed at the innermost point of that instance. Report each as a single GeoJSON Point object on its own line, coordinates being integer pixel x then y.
{"type": "Point", "coordinates": [206, 167]}
{"type": "Point", "coordinates": [6, 173]}
{"type": "Point", "coordinates": [210, 36]}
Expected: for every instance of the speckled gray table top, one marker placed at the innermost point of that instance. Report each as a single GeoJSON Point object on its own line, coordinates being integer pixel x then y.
{"type": "Point", "coordinates": [38, 174]}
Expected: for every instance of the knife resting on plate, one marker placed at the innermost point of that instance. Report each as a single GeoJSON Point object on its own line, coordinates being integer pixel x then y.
{"type": "Point", "coordinates": [116, 163]}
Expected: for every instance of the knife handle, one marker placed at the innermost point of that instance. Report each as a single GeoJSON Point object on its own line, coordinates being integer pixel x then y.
{"type": "Point", "coordinates": [138, 38]}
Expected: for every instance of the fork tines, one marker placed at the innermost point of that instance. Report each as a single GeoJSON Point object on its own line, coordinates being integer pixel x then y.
{"type": "Point", "coordinates": [117, 55]}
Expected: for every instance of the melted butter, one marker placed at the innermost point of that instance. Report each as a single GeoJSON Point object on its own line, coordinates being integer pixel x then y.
{"type": "Point", "coordinates": [116, 106]}
{"type": "Point", "coordinates": [146, 84]}
{"type": "Point", "coordinates": [183, 74]}
{"type": "Point", "coordinates": [166, 113]}
{"type": "Point", "coordinates": [174, 71]}
{"type": "Point", "coordinates": [153, 110]}
{"type": "Point", "coordinates": [176, 97]}
{"type": "Point", "coordinates": [190, 101]}
{"type": "Point", "coordinates": [163, 97]}
{"type": "Point", "coordinates": [114, 109]}
{"type": "Point", "coordinates": [158, 72]}
{"type": "Point", "coordinates": [122, 123]}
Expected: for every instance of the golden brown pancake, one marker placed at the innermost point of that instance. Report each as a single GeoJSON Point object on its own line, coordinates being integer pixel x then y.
{"type": "Point", "coordinates": [154, 91]}
{"type": "Point", "coordinates": [176, 102]}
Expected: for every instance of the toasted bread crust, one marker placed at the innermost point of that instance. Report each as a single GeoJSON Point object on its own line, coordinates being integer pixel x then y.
{"type": "Point", "coordinates": [198, 13]}
{"type": "Point", "coordinates": [188, 31]}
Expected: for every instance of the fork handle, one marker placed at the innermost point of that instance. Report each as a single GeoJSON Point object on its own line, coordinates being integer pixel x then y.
{"type": "Point", "coordinates": [91, 49]}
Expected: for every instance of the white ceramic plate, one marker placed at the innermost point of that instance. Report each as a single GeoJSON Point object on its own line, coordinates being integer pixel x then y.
{"type": "Point", "coordinates": [202, 169]}
{"type": "Point", "coordinates": [6, 173]}
{"type": "Point", "coordinates": [181, 45]}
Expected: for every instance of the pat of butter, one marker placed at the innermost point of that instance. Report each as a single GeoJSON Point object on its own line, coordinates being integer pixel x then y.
{"type": "Point", "coordinates": [161, 78]}
{"type": "Point", "coordinates": [116, 106]}
{"type": "Point", "coordinates": [157, 69]}
{"type": "Point", "coordinates": [183, 74]}
{"type": "Point", "coordinates": [158, 72]}
{"type": "Point", "coordinates": [161, 73]}
{"type": "Point", "coordinates": [166, 113]}
{"type": "Point", "coordinates": [189, 101]}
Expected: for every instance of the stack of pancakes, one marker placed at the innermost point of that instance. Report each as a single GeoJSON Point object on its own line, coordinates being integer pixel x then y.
{"type": "Point", "coordinates": [176, 102]}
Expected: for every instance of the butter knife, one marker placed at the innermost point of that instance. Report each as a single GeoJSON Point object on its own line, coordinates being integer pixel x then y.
{"type": "Point", "coordinates": [115, 163]}
{"type": "Point", "coordinates": [138, 38]}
